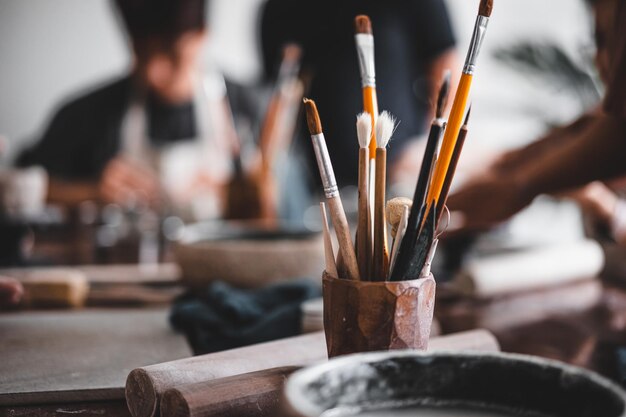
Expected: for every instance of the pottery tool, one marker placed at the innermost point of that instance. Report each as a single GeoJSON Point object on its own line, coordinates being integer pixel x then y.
{"type": "Point", "coordinates": [364, 228]}
{"type": "Point", "coordinates": [329, 253]}
{"type": "Point", "coordinates": [258, 393]}
{"type": "Point", "coordinates": [384, 130]}
{"type": "Point", "coordinates": [418, 209]}
{"type": "Point", "coordinates": [251, 394]}
{"type": "Point", "coordinates": [458, 148]}
{"type": "Point", "coordinates": [331, 191]}
{"type": "Point", "coordinates": [460, 102]}
{"type": "Point", "coordinates": [429, 259]}
{"type": "Point", "coordinates": [146, 385]}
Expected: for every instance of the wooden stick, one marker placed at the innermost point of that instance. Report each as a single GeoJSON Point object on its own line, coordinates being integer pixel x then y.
{"type": "Point", "coordinates": [329, 253]}
{"type": "Point", "coordinates": [145, 386]}
{"type": "Point", "coordinates": [252, 394]}
{"type": "Point", "coordinates": [364, 229]}
{"type": "Point", "coordinates": [239, 395]}
{"type": "Point", "coordinates": [380, 269]}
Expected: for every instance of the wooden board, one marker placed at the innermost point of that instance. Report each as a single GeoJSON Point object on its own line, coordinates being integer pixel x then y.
{"type": "Point", "coordinates": [56, 357]}
{"type": "Point", "coordinates": [165, 274]}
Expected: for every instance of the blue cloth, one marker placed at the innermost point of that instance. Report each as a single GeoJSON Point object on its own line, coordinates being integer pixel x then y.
{"type": "Point", "coordinates": [222, 317]}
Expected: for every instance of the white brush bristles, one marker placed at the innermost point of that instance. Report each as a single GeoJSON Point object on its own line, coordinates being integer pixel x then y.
{"type": "Point", "coordinates": [385, 126]}
{"type": "Point", "coordinates": [364, 129]}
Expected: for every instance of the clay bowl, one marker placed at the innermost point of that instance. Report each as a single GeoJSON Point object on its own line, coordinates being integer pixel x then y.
{"type": "Point", "coordinates": [246, 255]}
{"type": "Point", "coordinates": [412, 383]}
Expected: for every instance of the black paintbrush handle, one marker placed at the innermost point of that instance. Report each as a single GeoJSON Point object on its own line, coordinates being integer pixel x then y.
{"type": "Point", "coordinates": [419, 255]}
{"type": "Point", "coordinates": [451, 170]}
{"type": "Point", "coordinates": [415, 216]}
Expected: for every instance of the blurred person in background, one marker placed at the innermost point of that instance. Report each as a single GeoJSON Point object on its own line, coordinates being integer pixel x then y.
{"type": "Point", "coordinates": [140, 138]}
{"type": "Point", "coordinates": [591, 148]}
{"type": "Point", "coordinates": [414, 45]}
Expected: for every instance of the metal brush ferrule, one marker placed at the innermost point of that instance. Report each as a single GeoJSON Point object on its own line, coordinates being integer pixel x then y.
{"type": "Point", "coordinates": [365, 51]}
{"type": "Point", "coordinates": [480, 28]}
{"type": "Point", "coordinates": [325, 166]}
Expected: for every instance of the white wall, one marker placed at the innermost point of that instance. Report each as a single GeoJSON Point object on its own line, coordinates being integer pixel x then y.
{"type": "Point", "coordinates": [49, 49]}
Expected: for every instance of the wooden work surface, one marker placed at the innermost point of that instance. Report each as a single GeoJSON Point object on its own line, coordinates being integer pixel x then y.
{"type": "Point", "coordinates": [165, 274]}
{"type": "Point", "coordinates": [80, 356]}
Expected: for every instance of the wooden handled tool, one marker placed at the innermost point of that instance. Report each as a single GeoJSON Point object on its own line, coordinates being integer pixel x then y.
{"type": "Point", "coordinates": [329, 253]}
{"type": "Point", "coordinates": [458, 148]}
{"type": "Point", "coordinates": [256, 394]}
{"type": "Point", "coordinates": [384, 130]}
{"type": "Point", "coordinates": [407, 246]}
{"type": "Point", "coordinates": [364, 38]}
{"type": "Point", "coordinates": [331, 192]}
{"type": "Point", "coordinates": [252, 394]}
{"type": "Point", "coordinates": [460, 102]}
{"type": "Point", "coordinates": [364, 228]}
{"type": "Point", "coordinates": [145, 386]}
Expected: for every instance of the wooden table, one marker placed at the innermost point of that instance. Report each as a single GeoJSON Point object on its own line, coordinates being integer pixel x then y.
{"type": "Point", "coordinates": [58, 362]}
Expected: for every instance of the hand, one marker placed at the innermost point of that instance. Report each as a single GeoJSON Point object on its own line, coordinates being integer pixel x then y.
{"type": "Point", "coordinates": [595, 199]}
{"type": "Point", "coordinates": [125, 180]}
{"type": "Point", "coordinates": [11, 292]}
{"type": "Point", "coordinates": [486, 202]}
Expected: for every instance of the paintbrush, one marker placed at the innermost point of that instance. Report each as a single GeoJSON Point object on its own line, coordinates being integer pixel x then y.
{"type": "Point", "coordinates": [364, 228]}
{"type": "Point", "coordinates": [364, 39]}
{"type": "Point", "coordinates": [329, 253]}
{"type": "Point", "coordinates": [406, 248]}
{"type": "Point", "coordinates": [460, 102]}
{"type": "Point", "coordinates": [331, 191]}
{"type": "Point", "coordinates": [458, 148]}
{"type": "Point", "coordinates": [279, 122]}
{"type": "Point", "coordinates": [365, 50]}
{"type": "Point", "coordinates": [384, 130]}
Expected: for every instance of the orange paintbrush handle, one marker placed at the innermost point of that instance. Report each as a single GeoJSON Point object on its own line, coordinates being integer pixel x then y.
{"type": "Point", "coordinates": [449, 139]}
{"type": "Point", "coordinates": [370, 105]}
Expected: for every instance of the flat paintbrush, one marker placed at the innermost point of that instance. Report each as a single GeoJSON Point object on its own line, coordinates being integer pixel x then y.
{"type": "Point", "coordinates": [460, 102]}
{"type": "Point", "coordinates": [415, 221]}
{"type": "Point", "coordinates": [384, 130]}
{"type": "Point", "coordinates": [458, 148]}
{"type": "Point", "coordinates": [331, 191]}
{"type": "Point", "coordinates": [364, 224]}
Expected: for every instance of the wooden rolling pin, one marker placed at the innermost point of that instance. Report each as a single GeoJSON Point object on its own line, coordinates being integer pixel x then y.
{"type": "Point", "coordinates": [257, 393]}
{"type": "Point", "coordinates": [253, 394]}
{"type": "Point", "coordinates": [144, 386]}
